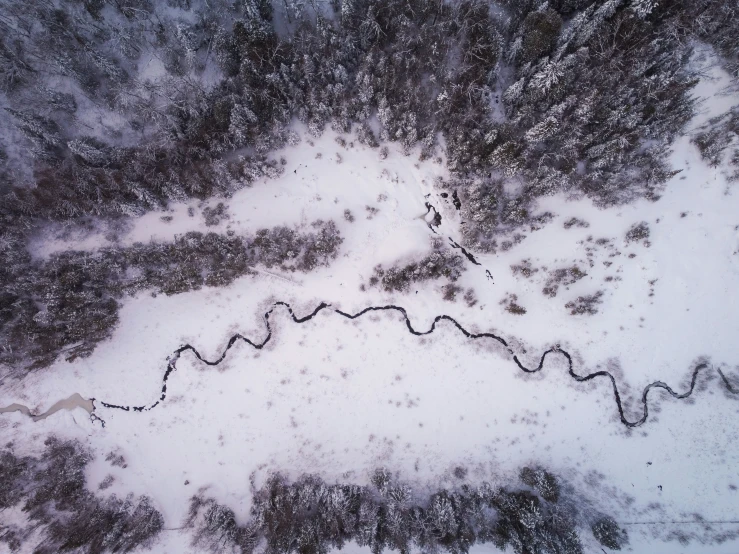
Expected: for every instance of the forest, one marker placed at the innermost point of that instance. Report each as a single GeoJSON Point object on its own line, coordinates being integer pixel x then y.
{"type": "Point", "coordinates": [114, 109]}
{"type": "Point", "coordinates": [309, 516]}
{"type": "Point", "coordinates": [111, 109]}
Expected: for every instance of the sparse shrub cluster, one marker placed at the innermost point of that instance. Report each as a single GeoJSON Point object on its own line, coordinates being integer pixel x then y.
{"type": "Point", "coordinates": [524, 268]}
{"type": "Point", "coordinates": [564, 276]}
{"type": "Point", "coordinates": [586, 304]}
{"type": "Point", "coordinates": [719, 135]}
{"type": "Point", "coordinates": [69, 303]}
{"type": "Point", "coordinates": [312, 516]}
{"type": "Point", "coordinates": [441, 263]}
{"type": "Point", "coordinates": [64, 516]}
{"type": "Point", "coordinates": [450, 291]}
{"type": "Point", "coordinates": [510, 302]}
{"type": "Point", "coordinates": [576, 222]}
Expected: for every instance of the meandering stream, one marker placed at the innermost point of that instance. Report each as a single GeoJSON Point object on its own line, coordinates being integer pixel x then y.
{"type": "Point", "coordinates": [172, 361]}
{"type": "Point", "coordinates": [76, 400]}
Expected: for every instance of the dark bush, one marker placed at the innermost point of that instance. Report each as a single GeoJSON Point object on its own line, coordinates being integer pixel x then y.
{"type": "Point", "coordinates": [637, 232]}
{"type": "Point", "coordinates": [539, 33]}
{"type": "Point", "coordinates": [609, 534]}
{"type": "Point", "coordinates": [450, 292]}
{"type": "Point", "coordinates": [542, 482]}
{"type": "Point", "coordinates": [576, 222]}
{"type": "Point", "coordinates": [564, 276]}
{"type": "Point", "coordinates": [587, 304]}
{"type": "Point", "coordinates": [510, 301]}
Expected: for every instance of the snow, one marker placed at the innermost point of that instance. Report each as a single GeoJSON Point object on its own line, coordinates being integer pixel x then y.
{"type": "Point", "coordinates": [340, 398]}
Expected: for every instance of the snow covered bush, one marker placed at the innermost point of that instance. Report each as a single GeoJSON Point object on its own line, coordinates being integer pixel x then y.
{"type": "Point", "coordinates": [586, 304]}
{"type": "Point", "coordinates": [291, 251]}
{"type": "Point", "coordinates": [609, 534]}
{"type": "Point", "coordinates": [719, 135]}
{"type": "Point", "coordinates": [510, 302]}
{"type": "Point", "coordinates": [638, 232]}
{"type": "Point", "coordinates": [542, 482]}
{"type": "Point", "coordinates": [441, 263]}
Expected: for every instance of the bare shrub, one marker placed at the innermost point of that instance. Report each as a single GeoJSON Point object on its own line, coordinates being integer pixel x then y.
{"type": "Point", "coordinates": [450, 292]}
{"type": "Point", "coordinates": [470, 297]}
{"type": "Point", "coordinates": [575, 222]}
{"type": "Point", "coordinates": [510, 302]}
{"type": "Point", "coordinates": [106, 483]}
{"type": "Point", "coordinates": [609, 534]}
{"type": "Point", "coordinates": [214, 216]}
{"type": "Point", "coordinates": [524, 268]}
{"type": "Point", "coordinates": [585, 305]}
{"type": "Point", "coordinates": [637, 232]}
{"type": "Point", "coordinates": [116, 459]}
{"type": "Point", "coordinates": [563, 276]}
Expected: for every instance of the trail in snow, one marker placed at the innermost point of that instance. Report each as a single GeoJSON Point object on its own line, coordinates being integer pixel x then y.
{"type": "Point", "coordinates": [172, 360]}
{"type": "Point", "coordinates": [436, 222]}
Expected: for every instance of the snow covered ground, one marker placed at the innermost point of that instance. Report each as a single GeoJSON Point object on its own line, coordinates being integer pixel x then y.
{"type": "Point", "coordinates": [339, 398]}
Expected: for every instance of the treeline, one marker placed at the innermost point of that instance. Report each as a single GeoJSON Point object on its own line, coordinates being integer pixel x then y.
{"type": "Point", "coordinates": [719, 138]}
{"type": "Point", "coordinates": [311, 516]}
{"type": "Point", "coordinates": [69, 303]}
{"type": "Point", "coordinates": [62, 514]}
{"type": "Point", "coordinates": [308, 516]}
{"type": "Point", "coordinates": [123, 106]}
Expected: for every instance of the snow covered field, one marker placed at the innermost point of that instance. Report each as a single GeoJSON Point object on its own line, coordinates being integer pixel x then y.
{"type": "Point", "coordinates": [339, 398]}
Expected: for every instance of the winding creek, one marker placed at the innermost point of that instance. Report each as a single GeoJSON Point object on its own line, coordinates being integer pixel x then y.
{"type": "Point", "coordinates": [76, 400]}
